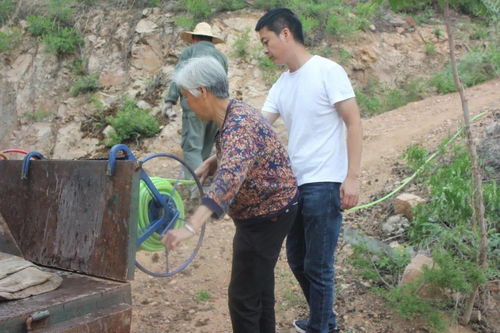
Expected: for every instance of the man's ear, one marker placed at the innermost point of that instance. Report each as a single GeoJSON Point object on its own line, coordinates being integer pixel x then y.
{"type": "Point", "coordinates": [285, 34]}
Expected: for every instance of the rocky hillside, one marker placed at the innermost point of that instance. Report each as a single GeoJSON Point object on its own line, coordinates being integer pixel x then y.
{"type": "Point", "coordinates": [133, 51]}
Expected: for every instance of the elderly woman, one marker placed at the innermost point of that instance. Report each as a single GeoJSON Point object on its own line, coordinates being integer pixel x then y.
{"type": "Point", "coordinates": [253, 182]}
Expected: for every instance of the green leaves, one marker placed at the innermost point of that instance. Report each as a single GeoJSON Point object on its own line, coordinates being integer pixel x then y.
{"type": "Point", "coordinates": [131, 122]}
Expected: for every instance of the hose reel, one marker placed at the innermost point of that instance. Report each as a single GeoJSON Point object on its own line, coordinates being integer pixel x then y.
{"type": "Point", "coordinates": [162, 205]}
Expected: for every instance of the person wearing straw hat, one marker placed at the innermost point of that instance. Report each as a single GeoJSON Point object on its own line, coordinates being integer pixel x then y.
{"type": "Point", "coordinates": [197, 136]}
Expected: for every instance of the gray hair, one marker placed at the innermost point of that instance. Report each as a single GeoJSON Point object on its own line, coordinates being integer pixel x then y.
{"type": "Point", "coordinates": [204, 72]}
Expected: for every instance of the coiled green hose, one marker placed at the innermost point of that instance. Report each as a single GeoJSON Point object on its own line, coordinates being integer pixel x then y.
{"type": "Point", "coordinates": [165, 187]}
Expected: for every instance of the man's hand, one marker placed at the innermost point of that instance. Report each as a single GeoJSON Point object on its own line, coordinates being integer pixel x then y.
{"type": "Point", "coordinates": [168, 112]}
{"type": "Point", "coordinates": [174, 237]}
{"type": "Point", "coordinates": [349, 193]}
{"type": "Point", "coordinates": [206, 169]}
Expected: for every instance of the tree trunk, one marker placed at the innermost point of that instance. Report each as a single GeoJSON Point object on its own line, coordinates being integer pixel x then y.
{"type": "Point", "coordinates": [477, 190]}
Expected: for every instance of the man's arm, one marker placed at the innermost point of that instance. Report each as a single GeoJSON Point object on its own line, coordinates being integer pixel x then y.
{"type": "Point", "coordinates": [270, 116]}
{"type": "Point", "coordinates": [349, 191]}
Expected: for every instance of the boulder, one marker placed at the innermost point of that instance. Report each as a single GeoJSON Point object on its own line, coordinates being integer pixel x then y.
{"type": "Point", "coordinates": [415, 268]}
{"type": "Point", "coordinates": [145, 26]}
{"type": "Point", "coordinates": [404, 204]}
{"type": "Point", "coordinates": [395, 224]}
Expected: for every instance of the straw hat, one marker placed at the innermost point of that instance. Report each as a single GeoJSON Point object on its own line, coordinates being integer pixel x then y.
{"type": "Point", "coordinates": [202, 29]}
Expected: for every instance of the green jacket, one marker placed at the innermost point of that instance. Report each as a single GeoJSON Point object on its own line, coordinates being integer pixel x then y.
{"type": "Point", "coordinates": [199, 49]}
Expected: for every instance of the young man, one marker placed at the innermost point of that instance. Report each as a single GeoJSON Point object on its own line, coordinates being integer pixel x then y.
{"type": "Point", "coordinates": [197, 136]}
{"type": "Point", "coordinates": [317, 103]}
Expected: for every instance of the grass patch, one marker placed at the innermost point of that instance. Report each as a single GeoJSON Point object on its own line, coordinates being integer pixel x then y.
{"type": "Point", "coordinates": [9, 40]}
{"type": "Point", "coordinates": [240, 46]}
{"type": "Point", "coordinates": [184, 21]}
{"type": "Point", "coordinates": [6, 9]}
{"type": "Point", "coordinates": [203, 296]}
{"type": "Point", "coordinates": [40, 116]}
{"type": "Point", "coordinates": [269, 69]}
{"type": "Point", "coordinates": [85, 84]}
{"type": "Point", "coordinates": [429, 48]}
{"type": "Point", "coordinates": [473, 68]}
{"type": "Point", "coordinates": [376, 98]}
{"type": "Point", "coordinates": [385, 269]}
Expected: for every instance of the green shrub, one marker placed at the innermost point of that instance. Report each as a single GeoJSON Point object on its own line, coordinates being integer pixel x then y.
{"type": "Point", "coordinates": [64, 41]}
{"type": "Point", "coordinates": [426, 16]}
{"type": "Point", "coordinates": [375, 98]}
{"type": "Point", "coordinates": [429, 48]}
{"type": "Point", "coordinates": [221, 5]}
{"type": "Point", "coordinates": [85, 84]}
{"type": "Point", "coordinates": [415, 156]}
{"type": "Point", "coordinates": [344, 56]}
{"type": "Point", "coordinates": [408, 305]}
{"type": "Point", "coordinates": [40, 25]}
{"type": "Point", "coordinates": [416, 90]}
{"type": "Point", "coordinates": [453, 273]}
{"type": "Point", "coordinates": [393, 99]}
{"type": "Point", "coordinates": [383, 268]}
{"type": "Point", "coordinates": [6, 8]}
{"type": "Point", "coordinates": [131, 122]}
{"type": "Point", "coordinates": [240, 46]}
{"type": "Point", "coordinates": [268, 4]}
{"type": "Point", "coordinates": [9, 40]}
{"type": "Point", "coordinates": [199, 9]}
{"type": "Point", "coordinates": [444, 221]}
{"type": "Point", "coordinates": [468, 7]}
{"type": "Point", "coordinates": [438, 33]}
{"type": "Point", "coordinates": [39, 116]}
{"type": "Point", "coordinates": [60, 10]}
{"type": "Point", "coordinates": [442, 224]}
{"type": "Point", "coordinates": [479, 32]}
{"type": "Point", "coordinates": [185, 22]}
{"type": "Point", "coordinates": [369, 103]}
{"type": "Point", "coordinates": [473, 68]}
{"type": "Point", "coordinates": [269, 69]}
{"type": "Point", "coordinates": [340, 26]}
{"type": "Point", "coordinates": [78, 67]}
{"type": "Point", "coordinates": [309, 25]}
{"type": "Point", "coordinates": [408, 6]}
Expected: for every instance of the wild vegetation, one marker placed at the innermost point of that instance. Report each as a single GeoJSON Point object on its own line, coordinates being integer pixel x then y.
{"type": "Point", "coordinates": [442, 227]}
{"type": "Point", "coordinates": [131, 123]}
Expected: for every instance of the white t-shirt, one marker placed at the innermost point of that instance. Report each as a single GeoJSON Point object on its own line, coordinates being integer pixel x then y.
{"type": "Point", "coordinates": [305, 99]}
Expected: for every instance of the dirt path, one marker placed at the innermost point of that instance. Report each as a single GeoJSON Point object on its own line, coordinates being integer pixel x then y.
{"type": "Point", "coordinates": [425, 122]}
{"type": "Point", "coordinates": [172, 305]}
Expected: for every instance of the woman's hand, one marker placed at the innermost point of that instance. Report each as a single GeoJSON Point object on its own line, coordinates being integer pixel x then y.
{"type": "Point", "coordinates": [206, 169]}
{"type": "Point", "coordinates": [174, 237]}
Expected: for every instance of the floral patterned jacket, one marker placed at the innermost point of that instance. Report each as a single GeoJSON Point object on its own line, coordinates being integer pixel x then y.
{"type": "Point", "coordinates": [254, 178]}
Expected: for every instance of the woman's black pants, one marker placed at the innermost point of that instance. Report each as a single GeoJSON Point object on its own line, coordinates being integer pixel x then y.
{"type": "Point", "coordinates": [256, 247]}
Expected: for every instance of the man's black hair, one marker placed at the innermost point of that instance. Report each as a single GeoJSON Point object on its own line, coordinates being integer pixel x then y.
{"type": "Point", "coordinates": [278, 19]}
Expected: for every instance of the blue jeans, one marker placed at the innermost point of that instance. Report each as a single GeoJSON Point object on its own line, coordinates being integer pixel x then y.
{"type": "Point", "coordinates": [311, 245]}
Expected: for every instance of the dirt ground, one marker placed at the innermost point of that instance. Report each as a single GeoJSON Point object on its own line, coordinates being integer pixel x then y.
{"type": "Point", "coordinates": [195, 300]}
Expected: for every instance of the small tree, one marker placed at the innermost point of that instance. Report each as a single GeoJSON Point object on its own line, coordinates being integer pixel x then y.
{"type": "Point", "coordinates": [477, 189]}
